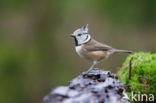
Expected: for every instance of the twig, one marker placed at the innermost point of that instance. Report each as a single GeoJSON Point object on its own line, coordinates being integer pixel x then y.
{"type": "Point", "coordinates": [130, 67]}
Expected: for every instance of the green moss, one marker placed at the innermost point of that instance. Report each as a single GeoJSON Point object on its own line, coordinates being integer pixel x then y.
{"type": "Point", "coordinates": [143, 73]}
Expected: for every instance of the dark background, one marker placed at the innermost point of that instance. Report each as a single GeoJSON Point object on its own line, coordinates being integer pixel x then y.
{"type": "Point", "coordinates": [37, 54]}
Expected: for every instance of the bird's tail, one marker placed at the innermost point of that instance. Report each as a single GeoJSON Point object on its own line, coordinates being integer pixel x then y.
{"type": "Point", "coordinates": [122, 51]}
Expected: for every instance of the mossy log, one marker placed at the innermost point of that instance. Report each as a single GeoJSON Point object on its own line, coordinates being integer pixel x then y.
{"type": "Point", "coordinates": [138, 74]}
{"type": "Point", "coordinates": [97, 86]}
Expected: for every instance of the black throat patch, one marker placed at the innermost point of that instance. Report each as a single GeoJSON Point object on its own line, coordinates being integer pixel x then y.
{"type": "Point", "coordinates": [76, 41]}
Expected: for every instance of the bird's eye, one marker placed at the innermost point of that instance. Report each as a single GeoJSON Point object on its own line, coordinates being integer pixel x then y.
{"type": "Point", "coordinates": [79, 34]}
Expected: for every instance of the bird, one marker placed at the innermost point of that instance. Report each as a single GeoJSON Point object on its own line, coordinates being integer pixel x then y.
{"type": "Point", "coordinates": [90, 49]}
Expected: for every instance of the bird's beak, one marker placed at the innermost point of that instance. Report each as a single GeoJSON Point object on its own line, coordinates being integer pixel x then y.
{"type": "Point", "coordinates": [71, 35]}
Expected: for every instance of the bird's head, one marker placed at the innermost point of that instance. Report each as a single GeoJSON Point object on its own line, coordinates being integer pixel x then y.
{"type": "Point", "coordinates": [81, 35]}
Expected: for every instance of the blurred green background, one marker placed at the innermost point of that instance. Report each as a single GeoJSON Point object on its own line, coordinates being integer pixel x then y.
{"type": "Point", "coordinates": [37, 54]}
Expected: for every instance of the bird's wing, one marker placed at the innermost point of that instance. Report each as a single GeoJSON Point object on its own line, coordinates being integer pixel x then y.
{"type": "Point", "coordinates": [96, 46]}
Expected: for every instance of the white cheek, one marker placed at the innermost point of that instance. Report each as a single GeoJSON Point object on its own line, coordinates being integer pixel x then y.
{"type": "Point", "coordinates": [81, 39]}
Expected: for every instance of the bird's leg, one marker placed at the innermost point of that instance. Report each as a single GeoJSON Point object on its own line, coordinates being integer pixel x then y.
{"type": "Point", "coordinates": [92, 67]}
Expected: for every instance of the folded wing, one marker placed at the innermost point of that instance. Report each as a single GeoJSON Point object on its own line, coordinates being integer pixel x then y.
{"type": "Point", "coordinates": [96, 46]}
